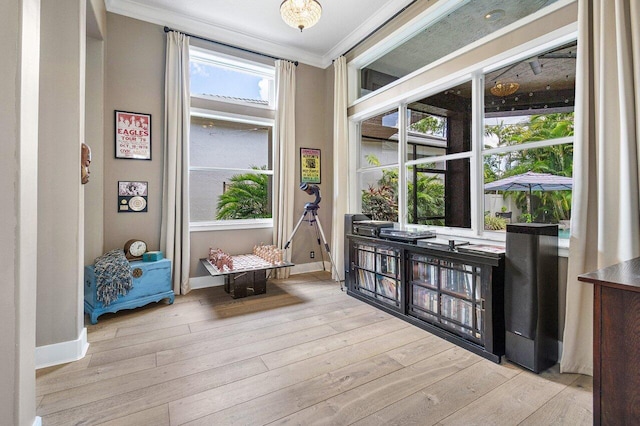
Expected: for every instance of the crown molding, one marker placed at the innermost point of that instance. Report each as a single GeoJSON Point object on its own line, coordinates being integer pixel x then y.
{"type": "Point", "coordinates": [204, 29]}
{"type": "Point", "coordinates": [227, 35]}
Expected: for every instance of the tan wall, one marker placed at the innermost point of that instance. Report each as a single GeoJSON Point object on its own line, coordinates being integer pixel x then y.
{"type": "Point", "coordinates": [313, 130]}
{"type": "Point", "coordinates": [19, 49]}
{"type": "Point", "coordinates": [60, 315]}
{"type": "Point", "coordinates": [94, 138]}
{"type": "Point", "coordinates": [135, 82]}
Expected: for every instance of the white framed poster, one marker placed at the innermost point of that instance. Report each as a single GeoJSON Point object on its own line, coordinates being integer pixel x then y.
{"type": "Point", "coordinates": [133, 135]}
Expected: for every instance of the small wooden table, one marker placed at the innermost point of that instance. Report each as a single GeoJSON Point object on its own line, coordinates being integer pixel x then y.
{"type": "Point", "coordinates": [616, 343]}
{"type": "Point", "coordinates": [245, 280]}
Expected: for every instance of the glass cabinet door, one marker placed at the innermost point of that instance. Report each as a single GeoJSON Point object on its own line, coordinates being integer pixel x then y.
{"type": "Point", "coordinates": [378, 273]}
{"type": "Point", "coordinates": [448, 294]}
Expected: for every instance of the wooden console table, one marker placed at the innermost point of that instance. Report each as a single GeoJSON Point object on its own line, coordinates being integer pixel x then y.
{"type": "Point", "coordinates": [616, 343]}
{"type": "Point", "coordinates": [244, 282]}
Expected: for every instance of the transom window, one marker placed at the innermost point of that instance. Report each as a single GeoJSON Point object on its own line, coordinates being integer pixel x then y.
{"type": "Point", "coordinates": [450, 25]}
{"type": "Point", "coordinates": [227, 79]}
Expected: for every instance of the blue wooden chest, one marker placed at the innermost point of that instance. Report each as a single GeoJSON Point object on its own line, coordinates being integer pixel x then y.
{"type": "Point", "coordinates": [151, 283]}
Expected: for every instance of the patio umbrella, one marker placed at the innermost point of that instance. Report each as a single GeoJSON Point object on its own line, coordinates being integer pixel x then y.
{"type": "Point", "coordinates": [531, 181]}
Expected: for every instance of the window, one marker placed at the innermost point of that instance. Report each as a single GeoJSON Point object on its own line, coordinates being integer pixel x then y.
{"type": "Point", "coordinates": [432, 40]}
{"type": "Point", "coordinates": [230, 155]}
{"type": "Point", "coordinates": [223, 78]}
{"type": "Point", "coordinates": [454, 147]}
{"type": "Point", "coordinates": [378, 166]}
{"type": "Point", "coordinates": [438, 178]}
{"type": "Point", "coordinates": [528, 141]}
{"type": "Point", "coordinates": [230, 171]}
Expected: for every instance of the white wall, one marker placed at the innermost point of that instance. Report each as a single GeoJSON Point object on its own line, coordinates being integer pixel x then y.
{"type": "Point", "coordinates": [19, 49]}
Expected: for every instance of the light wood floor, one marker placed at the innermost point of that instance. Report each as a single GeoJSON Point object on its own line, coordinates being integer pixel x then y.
{"type": "Point", "coordinates": [303, 353]}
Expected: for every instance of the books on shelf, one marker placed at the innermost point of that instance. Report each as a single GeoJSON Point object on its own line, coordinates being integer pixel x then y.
{"type": "Point", "coordinates": [425, 299]}
{"type": "Point", "coordinates": [387, 287]}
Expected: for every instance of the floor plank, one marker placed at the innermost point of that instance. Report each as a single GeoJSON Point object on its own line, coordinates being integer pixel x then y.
{"type": "Point", "coordinates": [303, 353]}
{"type": "Point", "coordinates": [443, 398]}
{"type": "Point", "coordinates": [572, 406]}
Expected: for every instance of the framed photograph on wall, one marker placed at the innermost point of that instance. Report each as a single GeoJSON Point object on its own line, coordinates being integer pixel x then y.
{"type": "Point", "coordinates": [132, 196]}
{"type": "Point", "coordinates": [309, 165]}
{"type": "Point", "coordinates": [133, 135]}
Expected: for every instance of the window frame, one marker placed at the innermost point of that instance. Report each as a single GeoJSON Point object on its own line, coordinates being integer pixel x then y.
{"type": "Point", "coordinates": [216, 225]}
{"type": "Point", "coordinates": [419, 23]}
{"type": "Point", "coordinates": [476, 154]}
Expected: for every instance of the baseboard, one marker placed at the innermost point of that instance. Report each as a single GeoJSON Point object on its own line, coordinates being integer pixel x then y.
{"type": "Point", "coordinates": [205, 282]}
{"type": "Point", "coordinates": [310, 267]}
{"type": "Point", "coordinates": [63, 352]}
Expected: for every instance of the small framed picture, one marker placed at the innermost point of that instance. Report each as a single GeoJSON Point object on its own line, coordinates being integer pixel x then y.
{"type": "Point", "coordinates": [133, 135]}
{"type": "Point", "coordinates": [309, 165]}
{"type": "Point", "coordinates": [132, 196]}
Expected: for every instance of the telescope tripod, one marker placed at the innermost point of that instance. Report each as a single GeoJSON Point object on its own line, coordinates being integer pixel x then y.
{"type": "Point", "coordinates": [314, 220]}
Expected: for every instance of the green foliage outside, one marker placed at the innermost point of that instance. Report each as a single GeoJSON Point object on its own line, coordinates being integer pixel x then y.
{"type": "Point", "coordinates": [547, 206]}
{"type": "Point", "coordinates": [429, 125]}
{"type": "Point", "coordinates": [494, 223]}
{"type": "Point", "coordinates": [246, 197]}
{"type": "Point", "coordinates": [380, 202]}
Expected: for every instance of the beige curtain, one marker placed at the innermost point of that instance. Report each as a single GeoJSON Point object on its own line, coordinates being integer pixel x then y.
{"type": "Point", "coordinates": [605, 218]}
{"type": "Point", "coordinates": [174, 233]}
{"type": "Point", "coordinates": [340, 164]}
{"type": "Point", "coordinates": [284, 142]}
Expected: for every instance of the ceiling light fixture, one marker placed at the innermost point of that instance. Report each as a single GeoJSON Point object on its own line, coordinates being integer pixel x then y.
{"type": "Point", "coordinates": [300, 13]}
{"type": "Point", "coordinates": [504, 89]}
{"type": "Point", "coordinates": [494, 15]}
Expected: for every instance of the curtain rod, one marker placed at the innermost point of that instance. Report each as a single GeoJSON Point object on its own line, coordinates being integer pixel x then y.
{"type": "Point", "coordinates": [167, 29]}
{"type": "Point", "coordinates": [379, 27]}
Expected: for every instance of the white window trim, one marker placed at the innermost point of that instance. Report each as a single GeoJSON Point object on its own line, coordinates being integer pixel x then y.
{"type": "Point", "coordinates": [224, 225]}
{"type": "Point", "coordinates": [229, 116]}
{"type": "Point", "coordinates": [426, 18]}
{"type": "Point", "coordinates": [528, 145]}
{"type": "Point", "coordinates": [475, 74]}
{"type": "Point", "coordinates": [229, 225]}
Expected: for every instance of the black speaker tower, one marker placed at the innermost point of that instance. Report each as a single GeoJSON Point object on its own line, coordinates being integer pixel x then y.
{"type": "Point", "coordinates": [531, 295]}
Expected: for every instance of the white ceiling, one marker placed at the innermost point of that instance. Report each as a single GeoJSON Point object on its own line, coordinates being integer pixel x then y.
{"type": "Point", "coordinates": [256, 24]}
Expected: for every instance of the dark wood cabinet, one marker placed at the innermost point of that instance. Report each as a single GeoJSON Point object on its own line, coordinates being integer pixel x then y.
{"type": "Point", "coordinates": [616, 343]}
{"type": "Point", "coordinates": [456, 295]}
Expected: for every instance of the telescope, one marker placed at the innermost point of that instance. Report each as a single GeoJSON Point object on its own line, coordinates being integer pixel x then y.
{"type": "Point", "coordinates": [311, 190]}
{"type": "Point", "coordinates": [312, 210]}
